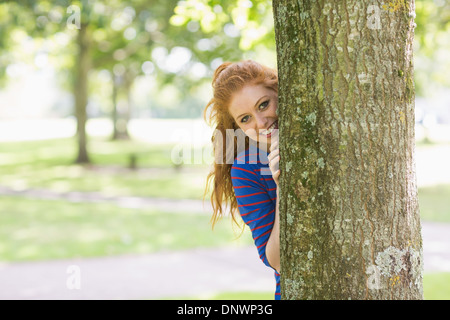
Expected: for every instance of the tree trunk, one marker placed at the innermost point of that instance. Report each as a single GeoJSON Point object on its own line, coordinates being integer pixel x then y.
{"type": "Point", "coordinates": [121, 118]}
{"type": "Point", "coordinates": [349, 215]}
{"type": "Point", "coordinates": [129, 79]}
{"type": "Point", "coordinates": [115, 114]}
{"type": "Point", "coordinates": [81, 92]}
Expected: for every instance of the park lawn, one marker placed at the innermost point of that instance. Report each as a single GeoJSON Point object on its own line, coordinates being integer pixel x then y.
{"type": "Point", "coordinates": [50, 165]}
{"type": "Point", "coordinates": [34, 230]}
{"type": "Point", "coordinates": [436, 286]}
{"type": "Point", "coordinates": [101, 151]}
{"type": "Point", "coordinates": [434, 203]}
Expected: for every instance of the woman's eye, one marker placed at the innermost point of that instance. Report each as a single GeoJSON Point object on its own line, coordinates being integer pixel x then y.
{"type": "Point", "coordinates": [244, 119]}
{"type": "Point", "coordinates": [263, 105]}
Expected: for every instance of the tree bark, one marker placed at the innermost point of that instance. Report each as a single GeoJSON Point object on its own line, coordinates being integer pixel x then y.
{"type": "Point", "coordinates": [81, 92]}
{"type": "Point", "coordinates": [349, 215]}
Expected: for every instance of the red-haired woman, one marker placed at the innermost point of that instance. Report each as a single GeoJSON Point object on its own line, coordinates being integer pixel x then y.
{"type": "Point", "coordinates": [245, 173]}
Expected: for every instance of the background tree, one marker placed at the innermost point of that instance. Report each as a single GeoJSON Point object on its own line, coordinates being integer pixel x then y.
{"type": "Point", "coordinates": [47, 18]}
{"type": "Point", "coordinates": [349, 210]}
{"type": "Point", "coordinates": [124, 42]}
{"type": "Point", "coordinates": [106, 35]}
{"type": "Point", "coordinates": [226, 30]}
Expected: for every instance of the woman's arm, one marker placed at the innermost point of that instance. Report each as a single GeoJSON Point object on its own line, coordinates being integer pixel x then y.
{"type": "Point", "coordinates": [273, 244]}
{"type": "Point", "coordinates": [255, 202]}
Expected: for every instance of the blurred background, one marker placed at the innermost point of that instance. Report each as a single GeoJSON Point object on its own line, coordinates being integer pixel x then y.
{"type": "Point", "coordinates": [104, 152]}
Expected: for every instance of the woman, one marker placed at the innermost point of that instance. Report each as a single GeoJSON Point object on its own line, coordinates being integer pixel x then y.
{"type": "Point", "coordinates": [244, 100]}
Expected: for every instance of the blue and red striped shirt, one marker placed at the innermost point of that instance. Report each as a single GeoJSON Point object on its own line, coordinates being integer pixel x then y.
{"type": "Point", "coordinates": [256, 195]}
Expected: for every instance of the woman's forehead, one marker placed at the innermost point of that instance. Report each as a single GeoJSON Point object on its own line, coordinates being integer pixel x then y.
{"type": "Point", "coordinates": [247, 97]}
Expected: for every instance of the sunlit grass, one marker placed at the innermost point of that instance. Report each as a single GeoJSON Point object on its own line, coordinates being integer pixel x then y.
{"type": "Point", "coordinates": [50, 165]}
{"type": "Point", "coordinates": [45, 230]}
{"type": "Point", "coordinates": [102, 151]}
{"type": "Point", "coordinates": [436, 286]}
{"type": "Point", "coordinates": [434, 203]}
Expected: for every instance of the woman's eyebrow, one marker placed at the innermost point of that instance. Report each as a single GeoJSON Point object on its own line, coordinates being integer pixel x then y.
{"type": "Point", "coordinates": [257, 102]}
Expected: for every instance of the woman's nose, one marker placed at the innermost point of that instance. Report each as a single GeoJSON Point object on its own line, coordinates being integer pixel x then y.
{"type": "Point", "coordinates": [261, 122]}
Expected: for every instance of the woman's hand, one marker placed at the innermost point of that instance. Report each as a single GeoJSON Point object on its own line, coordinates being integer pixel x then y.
{"type": "Point", "coordinates": [274, 159]}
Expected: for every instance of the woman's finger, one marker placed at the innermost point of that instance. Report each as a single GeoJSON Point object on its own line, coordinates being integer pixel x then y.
{"type": "Point", "coordinates": [273, 154]}
{"type": "Point", "coordinates": [274, 145]}
{"type": "Point", "coordinates": [274, 164]}
{"type": "Point", "coordinates": [274, 159]}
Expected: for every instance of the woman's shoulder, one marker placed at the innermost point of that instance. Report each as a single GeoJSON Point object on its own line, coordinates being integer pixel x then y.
{"type": "Point", "coordinates": [251, 158]}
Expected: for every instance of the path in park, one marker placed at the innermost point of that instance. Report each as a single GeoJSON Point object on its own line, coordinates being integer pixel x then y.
{"type": "Point", "coordinates": [196, 272]}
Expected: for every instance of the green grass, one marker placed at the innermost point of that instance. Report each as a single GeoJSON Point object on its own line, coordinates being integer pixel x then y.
{"type": "Point", "coordinates": [50, 165]}
{"type": "Point", "coordinates": [434, 203]}
{"type": "Point", "coordinates": [436, 286]}
{"type": "Point", "coordinates": [102, 151]}
{"type": "Point", "coordinates": [43, 230]}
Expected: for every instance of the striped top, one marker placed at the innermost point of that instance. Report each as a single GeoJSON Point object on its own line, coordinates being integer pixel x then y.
{"type": "Point", "coordinates": [256, 194]}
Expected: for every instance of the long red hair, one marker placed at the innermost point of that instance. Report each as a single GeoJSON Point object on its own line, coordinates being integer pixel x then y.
{"type": "Point", "coordinates": [229, 77]}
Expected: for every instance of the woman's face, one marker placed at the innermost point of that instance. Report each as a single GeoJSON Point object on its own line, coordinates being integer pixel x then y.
{"type": "Point", "coordinates": [254, 110]}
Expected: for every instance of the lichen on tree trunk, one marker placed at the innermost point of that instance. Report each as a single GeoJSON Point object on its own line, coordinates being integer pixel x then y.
{"type": "Point", "coordinates": [349, 215]}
